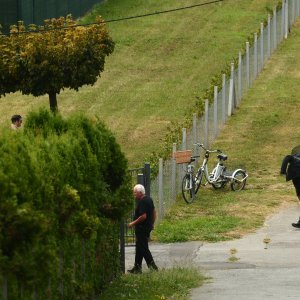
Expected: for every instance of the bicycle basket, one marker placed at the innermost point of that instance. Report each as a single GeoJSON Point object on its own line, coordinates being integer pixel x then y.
{"type": "Point", "coordinates": [183, 157]}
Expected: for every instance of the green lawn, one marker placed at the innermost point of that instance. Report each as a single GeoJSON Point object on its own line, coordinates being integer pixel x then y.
{"type": "Point", "coordinates": [165, 284]}
{"type": "Point", "coordinates": [160, 66]}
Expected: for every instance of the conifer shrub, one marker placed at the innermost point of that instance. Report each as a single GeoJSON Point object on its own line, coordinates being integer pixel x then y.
{"type": "Point", "coordinates": [63, 190]}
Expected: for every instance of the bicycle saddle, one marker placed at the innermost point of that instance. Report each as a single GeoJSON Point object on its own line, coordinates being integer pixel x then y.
{"type": "Point", "coordinates": [222, 156]}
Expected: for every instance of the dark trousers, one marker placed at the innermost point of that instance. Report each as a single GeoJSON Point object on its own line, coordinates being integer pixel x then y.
{"type": "Point", "coordinates": [296, 182]}
{"type": "Point", "coordinates": [142, 249]}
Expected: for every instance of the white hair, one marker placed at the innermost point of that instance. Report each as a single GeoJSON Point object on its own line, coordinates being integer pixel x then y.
{"type": "Point", "coordinates": [139, 188]}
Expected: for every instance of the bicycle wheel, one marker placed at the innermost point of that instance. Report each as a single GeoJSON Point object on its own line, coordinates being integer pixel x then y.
{"type": "Point", "coordinates": [188, 191]}
{"type": "Point", "coordinates": [238, 182]}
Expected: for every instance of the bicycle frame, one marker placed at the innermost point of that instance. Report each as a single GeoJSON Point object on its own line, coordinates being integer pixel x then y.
{"type": "Point", "coordinates": [203, 170]}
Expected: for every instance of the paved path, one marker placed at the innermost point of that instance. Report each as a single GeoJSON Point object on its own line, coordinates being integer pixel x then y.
{"type": "Point", "coordinates": [258, 273]}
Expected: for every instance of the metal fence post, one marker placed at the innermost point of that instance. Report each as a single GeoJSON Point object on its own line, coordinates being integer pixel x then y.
{"type": "Point", "coordinates": [240, 87]}
{"type": "Point", "coordinates": [255, 56]}
{"type": "Point", "coordinates": [140, 179]}
{"type": "Point", "coordinates": [122, 246]}
{"type": "Point", "coordinates": [230, 102]}
{"type": "Point", "coordinates": [223, 98]}
{"type": "Point", "coordinates": [269, 36]}
{"type": "Point", "coordinates": [160, 189]}
{"type": "Point", "coordinates": [174, 173]}
{"type": "Point", "coordinates": [283, 20]}
{"type": "Point", "coordinates": [206, 124]}
{"type": "Point", "coordinates": [147, 178]}
{"type": "Point", "coordinates": [215, 111]}
{"type": "Point", "coordinates": [247, 65]}
{"type": "Point", "coordinates": [183, 139]}
{"type": "Point", "coordinates": [274, 28]}
{"type": "Point", "coordinates": [262, 53]}
{"type": "Point", "coordinates": [194, 128]}
{"type": "Point", "coordinates": [286, 19]}
{"type": "Point", "coordinates": [293, 11]}
{"type": "Point", "coordinates": [234, 104]}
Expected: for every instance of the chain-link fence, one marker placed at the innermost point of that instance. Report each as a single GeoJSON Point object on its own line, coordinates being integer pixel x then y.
{"type": "Point", "coordinates": [205, 129]}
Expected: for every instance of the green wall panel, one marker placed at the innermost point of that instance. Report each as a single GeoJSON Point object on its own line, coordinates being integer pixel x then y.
{"type": "Point", "coordinates": [36, 11]}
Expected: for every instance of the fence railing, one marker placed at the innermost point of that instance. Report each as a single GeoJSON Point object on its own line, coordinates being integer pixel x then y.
{"type": "Point", "coordinates": [205, 129]}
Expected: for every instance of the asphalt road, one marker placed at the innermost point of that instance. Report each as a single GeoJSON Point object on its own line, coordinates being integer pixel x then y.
{"type": "Point", "coordinates": [256, 271]}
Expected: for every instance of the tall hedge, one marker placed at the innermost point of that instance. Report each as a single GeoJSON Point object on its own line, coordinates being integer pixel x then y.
{"type": "Point", "coordinates": [63, 189]}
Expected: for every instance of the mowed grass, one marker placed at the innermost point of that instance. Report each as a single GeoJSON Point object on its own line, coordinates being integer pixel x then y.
{"type": "Point", "coordinates": [261, 132]}
{"type": "Point", "coordinates": [160, 66]}
{"type": "Point", "coordinates": [165, 284]}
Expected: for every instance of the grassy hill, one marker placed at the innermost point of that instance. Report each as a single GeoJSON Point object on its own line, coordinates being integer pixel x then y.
{"type": "Point", "coordinates": [160, 66]}
{"type": "Point", "coordinates": [258, 136]}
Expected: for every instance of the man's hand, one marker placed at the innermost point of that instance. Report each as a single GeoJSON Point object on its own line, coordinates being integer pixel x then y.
{"type": "Point", "coordinates": [130, 225]}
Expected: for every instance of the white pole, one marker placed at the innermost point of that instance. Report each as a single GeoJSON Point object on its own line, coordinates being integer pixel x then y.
{"type": "Point", "coordinates": [215, 111]}
{"type": "Point", "coordinates": [240, 87]}
{"type": "Point", "coordinates": [160, 189]}
{"type": "Point", "coordinates": [274, 28]}
{"type": "Point", "coordinates": [255, 56]}
{"type": "Point", "coordinates": [230, 102]}
{"type": "Point", "coordinates": [223, 98]}
{"type": "Point", "coordinates": [174, 173]}
{"type": "Point", "coordinates": [262, 60]}
{"type": "Point", "coordinates": [247, 65]}
{"type": "Point", "coordinates": [286, 19]}
{"type": "Point", "coordinates": [206, 124]}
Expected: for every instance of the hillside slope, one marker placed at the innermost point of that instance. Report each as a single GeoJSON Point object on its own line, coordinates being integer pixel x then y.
{"type": "Point", "coordinates": [262, 131]}
{"type": "Point", "coordinates": [160, 66]}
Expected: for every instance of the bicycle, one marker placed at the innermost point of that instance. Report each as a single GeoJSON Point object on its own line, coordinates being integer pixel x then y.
{"type": "Point", "coordinates": [218, 178]}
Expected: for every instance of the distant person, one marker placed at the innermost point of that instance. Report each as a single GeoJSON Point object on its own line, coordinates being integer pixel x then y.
{"type": "Point", "coordinates": [291, 168]}
{"type": "Point", "coordinates": [16, 122]}
{"type": "Point", "coordinates": [144, 218]}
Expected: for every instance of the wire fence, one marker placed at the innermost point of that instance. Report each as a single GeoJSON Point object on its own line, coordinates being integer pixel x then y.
{"type": "Point", "coordinates": [205, 129]}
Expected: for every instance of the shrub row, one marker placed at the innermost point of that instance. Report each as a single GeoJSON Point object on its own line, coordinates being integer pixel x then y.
{"type": "Point", "coordinates": [63, 190]}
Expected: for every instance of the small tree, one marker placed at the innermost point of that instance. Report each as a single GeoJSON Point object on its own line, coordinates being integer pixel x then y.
{"type": "Point", "coordinates": [49, 58]}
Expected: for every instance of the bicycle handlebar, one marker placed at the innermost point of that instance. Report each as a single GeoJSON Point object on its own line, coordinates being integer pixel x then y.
{"type": "Point", "coordinates": [207, 150]}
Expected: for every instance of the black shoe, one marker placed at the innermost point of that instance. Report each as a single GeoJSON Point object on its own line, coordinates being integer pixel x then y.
{"type": "Point", "coordinates": [152, 266]}
{"type": "Point", "coordinates": [135, 270]}
{"type": "Point", "coordinates": [296, 225]}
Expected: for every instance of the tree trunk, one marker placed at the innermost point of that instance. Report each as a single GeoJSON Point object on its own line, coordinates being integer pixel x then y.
{"type": "Point", "coordinates": [53, 102]}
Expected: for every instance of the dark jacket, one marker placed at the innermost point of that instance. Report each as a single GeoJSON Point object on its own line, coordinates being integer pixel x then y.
{"type": "Point", "coordinates": [291, 166]}
{"type": "Point", "coordinates": [144, 205]}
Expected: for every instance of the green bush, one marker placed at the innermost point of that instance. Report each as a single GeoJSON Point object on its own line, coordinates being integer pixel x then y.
{"type": "Point", "coordinates": [63, 189]}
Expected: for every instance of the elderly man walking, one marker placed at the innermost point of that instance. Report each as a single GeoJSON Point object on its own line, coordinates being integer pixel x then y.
{"type": "Point", "coordinates": [144, 218]}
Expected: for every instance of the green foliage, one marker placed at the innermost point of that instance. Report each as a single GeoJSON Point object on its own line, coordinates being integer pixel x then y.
{"type": "Point", "coordinates": [63, 192]}
{"type": "Point", "coordinates": [52, 57]}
